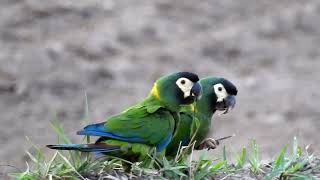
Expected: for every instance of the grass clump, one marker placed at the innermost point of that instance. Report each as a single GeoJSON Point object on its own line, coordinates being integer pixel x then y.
{"type": "Point", "coordinates": [254, 159]}
{"type": "Point", "coordinates": [294, 166]}
{"type": "Point", "coordinates": [298, 164]}
{"type": "Point", "coordinates": [60, 165]}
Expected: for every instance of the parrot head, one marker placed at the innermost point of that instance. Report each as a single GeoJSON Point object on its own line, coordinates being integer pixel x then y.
{"type": "Point", "coordinates": [177, 89]}
{"type": "Point", "coordinates": [220, 92]}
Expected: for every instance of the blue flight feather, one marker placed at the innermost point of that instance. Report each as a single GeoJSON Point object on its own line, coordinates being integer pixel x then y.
{"type": "Point", "coordinates": [100, 130]}
{"type": "Point", "coordinates": [161, 146]}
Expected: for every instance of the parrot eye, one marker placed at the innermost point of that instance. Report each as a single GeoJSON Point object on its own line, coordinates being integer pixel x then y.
{"type": "Point", "coordinates": [220, 91]}
{"type": "Point", "coordinates": [185, 85]}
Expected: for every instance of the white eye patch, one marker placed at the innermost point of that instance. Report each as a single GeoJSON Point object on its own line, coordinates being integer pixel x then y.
{"type": "Point", "coordinates": [185, 85]}
{"type": "Point", "coordinates": [220, 92]}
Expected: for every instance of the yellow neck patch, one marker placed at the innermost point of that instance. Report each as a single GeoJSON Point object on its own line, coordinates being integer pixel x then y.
{"type": "Point", "coordinates": [155, 92]}
{"type": "Point", "coordinates": [193, 108]}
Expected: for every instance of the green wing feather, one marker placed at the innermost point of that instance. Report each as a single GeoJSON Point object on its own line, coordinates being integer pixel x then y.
{"type": "Point", "coordinates": [147, 121]}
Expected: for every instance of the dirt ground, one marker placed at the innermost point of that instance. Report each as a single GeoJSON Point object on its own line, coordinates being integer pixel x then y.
{"type": "Point", "coordinates": [52, 54]}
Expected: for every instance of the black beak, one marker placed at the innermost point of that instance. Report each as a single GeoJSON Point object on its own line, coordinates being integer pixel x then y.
{"type": "Point", "coordinates": [227, 104]}
{"type": "Point", "coordinates": [230, 101]}
{"type": "Point", "coordinates": [196, 90]}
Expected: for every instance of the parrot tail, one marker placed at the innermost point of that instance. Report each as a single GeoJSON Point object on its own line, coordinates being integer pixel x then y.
{"type": "Point", "coordinates": [100, 130]}
{"type": "Point", "coordinates": [98, 147]}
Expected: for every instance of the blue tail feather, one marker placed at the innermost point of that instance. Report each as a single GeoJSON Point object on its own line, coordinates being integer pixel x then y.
{"type": "Point", "coordinates": [85, 147]}
{"type": "Point", "coordinates": [100, 130]}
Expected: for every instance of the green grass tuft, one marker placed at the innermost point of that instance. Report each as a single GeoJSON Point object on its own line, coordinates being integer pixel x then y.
{"type": "Point", "coordinates": [292, 165]}
{"type": "Point", "coordinates": [74, 165]}
{"type": "Point", "coordinates": [254, 158]}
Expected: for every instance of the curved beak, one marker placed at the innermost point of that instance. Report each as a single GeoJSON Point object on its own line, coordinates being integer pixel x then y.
{"type": "Point", "coordinates": [196, 90]}
{"type": "Point", "coordinates": [227, 104]}
{"type": "Point", "coordinates": [230, 101]}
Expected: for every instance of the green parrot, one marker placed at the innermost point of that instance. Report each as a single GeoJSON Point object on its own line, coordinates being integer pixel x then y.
{"type": "Point", "coordinates": [150, 123]}
{"type": "Point", "coordinates": [218, 94]}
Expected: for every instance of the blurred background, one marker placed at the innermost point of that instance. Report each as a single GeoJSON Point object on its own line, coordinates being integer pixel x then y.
{"type": "Point", "coordinates": [53, 53]}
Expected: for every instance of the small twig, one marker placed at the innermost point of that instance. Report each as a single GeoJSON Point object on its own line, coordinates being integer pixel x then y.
{"type": "Point", "coordinates": [227, 176]}
{"type": "Point", "coordinates": [226, 137]}
{"type": "Point", "coordinates": [179, 149]}
{"type": "Point", "coordinates": [191, 156]}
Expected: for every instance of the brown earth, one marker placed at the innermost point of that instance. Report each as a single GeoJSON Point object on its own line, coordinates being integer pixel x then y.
{"type": "Point", "coordinates": [52, 53]}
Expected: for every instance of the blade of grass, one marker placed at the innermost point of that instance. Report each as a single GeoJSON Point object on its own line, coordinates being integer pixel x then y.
{"type": "Point", "coordinates": [241, 159]}
{"type": "Point", "coordinates": [224, 156]}
{"type": "Point", "coordinates": [75, 156]}
{"type": "Point", "coordinates": [50, 163]}
{"type": "Point", "coordinates": [87, 121]}
{"type": "Point", "coordinates": [87, 115]}
{"type": "Point", "coordinates": [280, 161]}
{"type": "Point", "coordinates": [58, 129]}
{"type": "Point", "coordinates": [254, 160]}
{"type": "Point", "coordinates": [70, 165]}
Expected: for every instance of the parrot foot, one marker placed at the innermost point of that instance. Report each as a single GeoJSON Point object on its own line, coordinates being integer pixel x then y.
{"type": "Point", "coordinates": [208, 144]}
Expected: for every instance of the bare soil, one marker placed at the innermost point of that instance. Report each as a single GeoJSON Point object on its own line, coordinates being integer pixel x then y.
{"type": "Point", "coordinates": [52, 53]}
